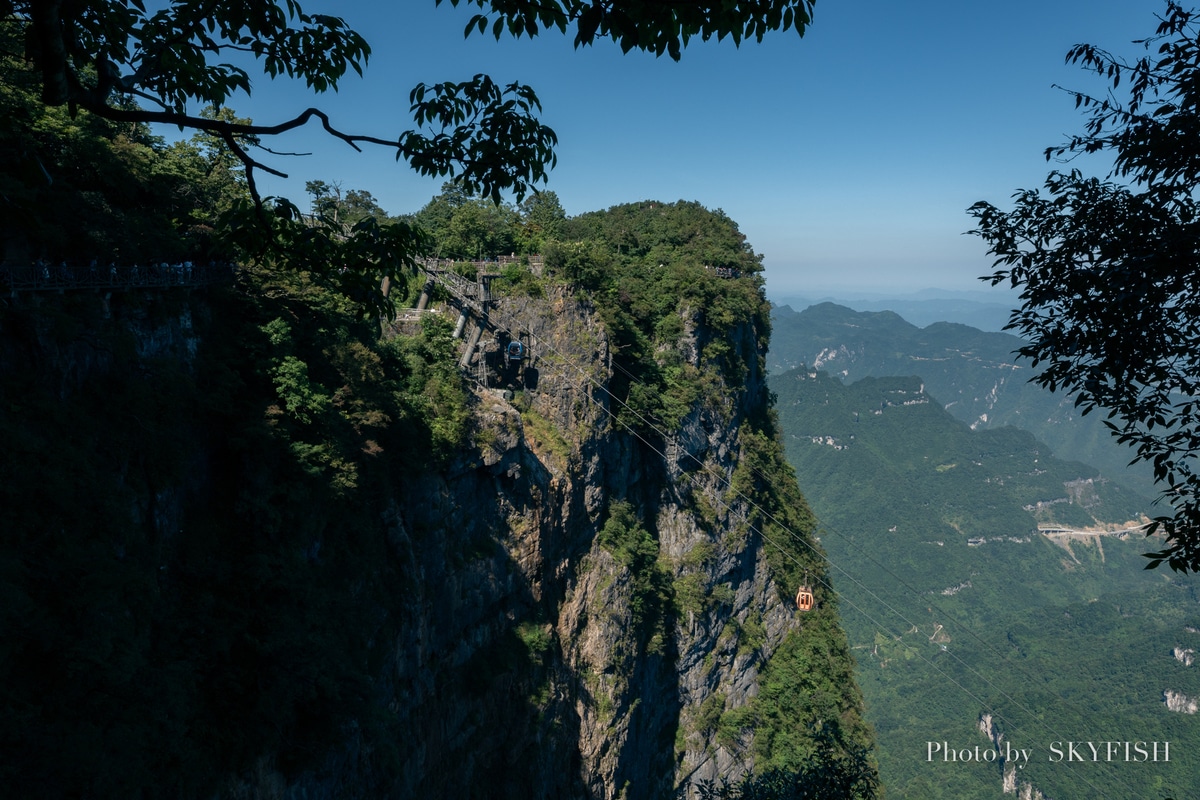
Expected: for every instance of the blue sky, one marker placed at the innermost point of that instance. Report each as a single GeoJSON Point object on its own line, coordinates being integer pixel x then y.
{"type": "Point", "coordinates": [848, 157]}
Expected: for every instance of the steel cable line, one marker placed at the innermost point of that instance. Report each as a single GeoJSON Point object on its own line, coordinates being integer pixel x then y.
{"type": "Point", "coordinates": [958, 626]}
{"type": "Point", "coordinates": [796, 537]}
{"type": "Point", "coordinates": [843, 598]}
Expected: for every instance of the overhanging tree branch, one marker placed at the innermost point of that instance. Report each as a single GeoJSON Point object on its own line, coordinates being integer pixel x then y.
{"type": "Point", "coordinates": [88, 51]}
{"type": "Point", "coordinates": [98, 55]}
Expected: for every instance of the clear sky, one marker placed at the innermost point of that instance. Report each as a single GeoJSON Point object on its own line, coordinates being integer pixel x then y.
{"type": "Point", "coordinates": [848, 156]}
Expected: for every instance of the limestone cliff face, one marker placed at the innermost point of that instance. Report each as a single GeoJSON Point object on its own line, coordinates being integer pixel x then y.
{"type": "Point", "coordinates": [580, 603]}
{"type": "Point", "coordinates": [524, 669]}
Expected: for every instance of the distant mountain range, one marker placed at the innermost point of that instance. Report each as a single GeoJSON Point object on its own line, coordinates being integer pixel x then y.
{"type": "Point", "coordinates": [973, 374]}
{"type": "Point", "coordinates": [986, 310]}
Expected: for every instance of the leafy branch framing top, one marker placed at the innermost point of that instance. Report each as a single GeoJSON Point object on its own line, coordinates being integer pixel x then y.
{"type": "Point", "coordinates": [104, 55]}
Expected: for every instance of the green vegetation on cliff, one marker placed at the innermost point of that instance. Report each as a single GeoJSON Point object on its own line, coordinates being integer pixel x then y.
{"type": "Point", "coordinates": [667, 278]}
{"type": "Point", "coordinates": [75, 187]}
{"type": "Point", "coordinates": [680, 291]}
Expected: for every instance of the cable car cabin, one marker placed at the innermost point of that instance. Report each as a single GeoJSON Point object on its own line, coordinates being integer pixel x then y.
{"type": "Point", "coordinates": [804, 599]}
{"type": "Point", "coordinates": [515, 352]}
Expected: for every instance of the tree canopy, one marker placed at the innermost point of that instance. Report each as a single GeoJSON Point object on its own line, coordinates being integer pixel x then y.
{"type": "Point", "coordinates": [107, 56]}
{"type": "Point", "coordinates": [88, 188]}
{"type": "Point", "coordinates": [1108, 268]}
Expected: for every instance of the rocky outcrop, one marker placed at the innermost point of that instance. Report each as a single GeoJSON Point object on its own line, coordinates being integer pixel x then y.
{"type": "Point", "coordinates": [1009, 782]}
{"type": "Point", "coordinates": [613, 701]}
{"type": "Point", "coordinates": [1179, 702]}
{"type": "Point", "coordinates": [607, 702]}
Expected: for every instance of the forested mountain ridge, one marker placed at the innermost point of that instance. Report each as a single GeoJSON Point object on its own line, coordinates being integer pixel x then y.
{"type": "Point", "coordinates": [1004, 469]}
{"type": "Point", "coordinates": [958, 609]}
{"type": "Point", "coordinates": [979, 309]}
{"type": "Point", "coordinates": [974, 374]}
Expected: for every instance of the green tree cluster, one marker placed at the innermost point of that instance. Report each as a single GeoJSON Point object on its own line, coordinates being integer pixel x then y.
{"type": "Point", "coordinates": [343, 209]}
{"type": "Point", "coordinates": [658, 271]}
{"type": "Point", "coordinates": [78, 188]}
{"type": "Point", "coordinates": [467, 228]}
{"type": "Point", "coordinates": [542, 219]}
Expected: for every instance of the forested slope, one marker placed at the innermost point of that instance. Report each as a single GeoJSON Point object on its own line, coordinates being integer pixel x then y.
{"type": "Point", "coordinates": [959, 610]}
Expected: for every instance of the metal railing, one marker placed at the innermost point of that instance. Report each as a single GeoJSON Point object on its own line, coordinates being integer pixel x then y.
{"type": "Point", "coordinates": [63, 277]}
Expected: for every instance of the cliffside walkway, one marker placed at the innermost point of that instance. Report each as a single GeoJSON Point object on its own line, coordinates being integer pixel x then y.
{"type": "Point", "coordinates": [472, 297]}
{"type": "Point", "coordinates": [64, 277]}
{"type": "Point", "coordinates": [472, 294]}
{"type": "Point", "coordinates": [466, 293]}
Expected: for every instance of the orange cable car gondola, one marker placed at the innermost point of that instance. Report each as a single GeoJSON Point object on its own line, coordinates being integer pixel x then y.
{"type": "Point", "coordinates": [804, 597]}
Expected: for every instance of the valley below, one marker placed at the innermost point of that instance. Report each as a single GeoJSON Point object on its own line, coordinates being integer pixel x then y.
{"type": "Point", "coordinates": [993, 593]}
